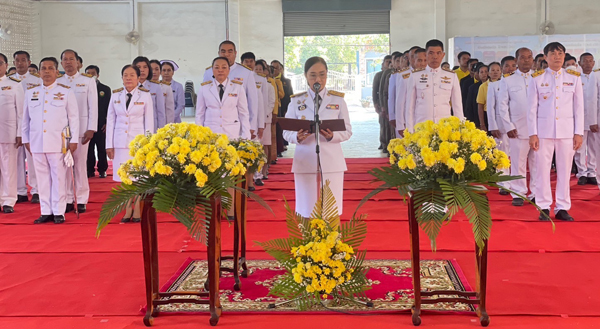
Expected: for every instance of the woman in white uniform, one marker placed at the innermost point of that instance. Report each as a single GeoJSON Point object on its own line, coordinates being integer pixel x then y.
{"type": "Point", "coordinates": [130, 113]}
{"type": "Point", "coordinates": [222, 106]}
{"type": "Point", "coordinates": [333, 164]}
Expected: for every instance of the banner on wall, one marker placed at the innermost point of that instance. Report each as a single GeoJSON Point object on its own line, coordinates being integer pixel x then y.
{"type": "Point", "coordinates": [493, 49]}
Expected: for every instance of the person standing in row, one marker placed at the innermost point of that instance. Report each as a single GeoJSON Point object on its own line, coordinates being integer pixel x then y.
{"type": "Point", "coordinates": [271, 110]}
{"type": "Point", "coordinates": [166, 90]}
{"type": "Point", "coordinates": [98, 142]}
{"type": "Point", "coordinates": [130, 113]}
{"type": "Point", "coordinates": [495, 72]}
{"type": "Point", "coordinates": [25, 172]}
{"type": "Point", "coordinates": [419, 63]}
{"type": "Point", "coordinates": [168, 69]}
{"type": "Point", "coordinates": [513, 107]}
{"type": "Point", "coordinates": [463, 69]}
{"type": "Point", "coordinates": [431, 90]}
{"type": "Point", "coordinates": [393, 90]}
{"type": "Point", "coordinates": [11, 110]}
{"type": "Point", "coordinates": [50, 109]}
{"type": "Point", "coordinates": [387, 60]}
{"type": "Point", "coordinates": [84, 88]}
{"type": "Point", "coordinates": [158, 97]}
{"type": "Point", "coordinates": [555, 123]}
{"type": "Point", "coordinates": [471, 110]}
{"type": "Point", "coordinates": [288, 91]}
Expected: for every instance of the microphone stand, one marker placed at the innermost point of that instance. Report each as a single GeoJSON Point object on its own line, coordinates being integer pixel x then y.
{"type": "Point", "coordinates": [317, 88]}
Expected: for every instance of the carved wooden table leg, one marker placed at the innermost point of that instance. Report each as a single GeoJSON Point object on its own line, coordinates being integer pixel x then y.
{"type": "Point", "coordinates": [415, 262]}
{"type": "Point", "coordinates": [214, 261]}
{"type": "Point", "coordinates": [243, 221]}
{"type": "Point", "coordinates": [154, 250]}
{"type": "Point", "coordinates": [147, 246]}
{"type": "Point", "coordinates": [484, 318]}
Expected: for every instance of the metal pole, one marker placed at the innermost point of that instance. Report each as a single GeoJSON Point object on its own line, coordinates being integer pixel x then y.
{"type": "Point", "coordinates": [226, 19]}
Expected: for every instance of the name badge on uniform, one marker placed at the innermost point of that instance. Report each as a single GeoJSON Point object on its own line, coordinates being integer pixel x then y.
{"type": "Point", "coordinates": [117, 102]}
{"type": "Point", "coordinates": [232, 95]}
{"type": "Point", "coordinates": [302, 107]}
{"type": "Point", "coordinates": [6, 88]}
{"type": "Point", "coordinates": [165, 94]}
{"type": "Point", "coordinates": [34, 96]}
{"type": "Point", "coordinates": [59, 96]}
{"type": "Point", "coordinates": [80, 85]}
{"type": "Point", "coordinates": [332, 107]}
{"type": "Point", "coordinates": [138, 103]}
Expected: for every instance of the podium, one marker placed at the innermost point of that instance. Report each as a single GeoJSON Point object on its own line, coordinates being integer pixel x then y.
{"type": "Point", "coordinates": [156, 298]}
{"type": "Point", "coordinates": [476, 297]}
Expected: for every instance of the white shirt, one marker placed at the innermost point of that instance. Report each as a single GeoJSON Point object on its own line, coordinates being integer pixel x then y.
{"type": "Point", "coordinates": [512, 104]}
{"type": "Point", "coordinates": [402, 79]}
{"type": "Point", "coordinates": [590, 99]}
{"type": "Point", "coordinates": [85, 90]}
{"type": "Point", "coordinates": [123, 123]}
{"type": "Point", "coordinates": [493, 115]}
{"type": "Point", "coordinates": [11, 109]}
{"type": "Point", "coordinates": [28, 79]}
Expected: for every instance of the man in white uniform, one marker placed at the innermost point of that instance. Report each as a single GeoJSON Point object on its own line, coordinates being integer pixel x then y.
{"type": "Point", "coordinates": [402, 78]}
{"type": "Point", "coordinates": [242, 74]}
{"type": "Point", "coordinates": [22, 61]}
{"type": "Point", "coordinates": [585, 157]}
{"type": "Point", "coordinates": [394, 86]}
{"type": "Point", "coordinates": [84, 87]}
{"type": "Point", "coordinates": [11, 111]}
{"type": "Point", "coordinates": [49, 110]}
{"type": "Point", "coordinates": [513, 108]}
{"type": "Point", "coordinates": [555, 124]}
{"type": "Point", "coordinates": [431, 90]}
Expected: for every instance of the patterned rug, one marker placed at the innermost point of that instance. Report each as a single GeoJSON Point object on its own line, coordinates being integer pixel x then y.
{"type": "Point", "coordinates": [390, 281]}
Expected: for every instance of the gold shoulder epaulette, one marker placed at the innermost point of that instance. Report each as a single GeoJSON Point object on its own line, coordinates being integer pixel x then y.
{"type": "Point", "coordinates": [87, 75]}
{"type": "Point", "coordinates": [508, 74]}
{"type": "Point", "coordinates": [596, 70]}
{"type": "Point", "coordinates": [11, 74]}
{"type": "Point", "coordinates": [14, 79]}
{"type": "Point", "coordinates": [165, 83]}
{"type": "Point", "coordinates": [419, 70]}
{"type": "Point", "coordinates": [118, 90]}
{"type": "Point", "coordinates": [246, 67]}
{"type": "Point", "coordinates": [406, 69]}
{"type": "Point", "coordinates": [406, 75]}
{"type": "Point", "coordinates": [205, 83]}
{"type": "Point", "coordinates": [298, 94]}
{"type": "Point", "coordinates": [60, 75]}
{"type": "Point", "coordinates": [448, 70]}
{"type": "Point", "coordinates": [237, 82]}
{"type": "Point", "coordinates": [143, 89]}
{"type": "Point", "coordinates": [262, 75]}
{"type": "Point", "coordinates": [35, 75]}
{"type": "Point", "coordinates": [210, 67]}
{"type": "Point", "coordinates": [64, 86]}
{"type": "Point", "coordinates": [573, 72]}
{"type": "Point", "coordinates": [155, 81]}
{"type": "Point", "coordinates": [335, 93]}
{"type": "Point", "coordinates": [537, 73]}
{"type": "Point", "coordinates": [33, 86]}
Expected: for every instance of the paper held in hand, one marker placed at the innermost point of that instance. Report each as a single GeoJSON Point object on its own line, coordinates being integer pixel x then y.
{"type": "Point", "coordinates": [309, 125]}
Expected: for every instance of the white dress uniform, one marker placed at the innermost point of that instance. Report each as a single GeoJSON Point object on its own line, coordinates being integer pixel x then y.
{"type": "Point", "coordinates": [555, 116]}
{"type": "Point", "coordinates": [333, 163]}
{"type": "Point", "coordinates": [270, 104]}
{"type": "Point", "coordinates": [260, 92]}
{"type": "Point", "coordinates": [27, 80]}
{"type": "Point", "coordinates": [169, 101]}
{"type": "Point", "coordinates": [179, 98]}
{"type": "Point", "coordinates": [46, 113]}
{"type": "Point", "coordinates": [11, 110]}
{"type": "Point", "coordinates": [401, 93]}
{"type": "Point", "coordinates": [243, 74]}
{"type": "Point", "coordinates": [228, 116]}
{"type": "Point", "coordinates": [432, 94]}
{"type": "Point", "coordinates": [158, 101]}
{"type": "Point", "coordinates": [513, 107]}
{"type": "Point", "coordinates": [392, 87]}
{"type": "Point", "coordinates": [85, 89]}
{"type": "Point", "coordinates": [495, 121]}
{"type": "Point", "coordinates": [586, 166]}
{"type": "Point", "coordinates": [124, 122]}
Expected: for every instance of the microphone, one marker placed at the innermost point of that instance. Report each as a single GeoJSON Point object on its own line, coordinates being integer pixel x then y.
{"type": "Point", "coordinates": [317, 87]}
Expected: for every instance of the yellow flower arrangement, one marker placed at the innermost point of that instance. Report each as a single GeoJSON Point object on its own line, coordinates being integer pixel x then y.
{"type": "Point", "coordinates": [251, 154]}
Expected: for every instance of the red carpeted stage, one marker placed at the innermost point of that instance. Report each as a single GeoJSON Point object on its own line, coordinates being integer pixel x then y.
{"type": "Point", "coordinates": [61, 276]}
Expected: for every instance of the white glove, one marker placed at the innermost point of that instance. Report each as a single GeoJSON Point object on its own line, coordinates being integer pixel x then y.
{"type": "Point", "coordinates": [68, 159]}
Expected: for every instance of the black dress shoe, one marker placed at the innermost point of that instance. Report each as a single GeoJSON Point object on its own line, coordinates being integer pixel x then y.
{"type": "Point", "coordinates": [259, 182]}
{"type": "Point", "coordinates": [125, 219]}
{"type": "Point", "coordinates": [81, 208]}
{"type": "Point", "coordinates": [251, 188]}
{"type": "Point", "coordinates": [563, 215]}
{"type": "Point", "coordinates": [59, 219]}
{"type": "Point", "coordinates": [279, 155]}
{"type": "Point", "coordinates": [380, 147]}
{"type": "Point", "coordinates": [90, 175]}
{"type": "Point", "coordinates": [592, 181]}
{"type": "Point", "coordinates": [544, 215]}
{"type": "Point", "coordinates": [69, 208]}
{"type": "Point", "coordinates": [35, 198]}
{"type": "Point", "coordinates": [503, 192]}
{"type": "Point", "coordinates": [102, 175]}
{"type": "Point", "coordinates": [275, 161]}
{"type": "Point", "coordinates": [265, 177]}
{"type": "Point", "coordinates": [136, 220]}
{"type": "Point", "coordinates": [8, 209]}
{"type": "Point", "coordinates": [582, 180]}
{"type": "Point", "coordinates": [22, 198]}
{"type": "Point", "coordinates": [517, 202]}
{"type": "Point", "coordinates": [532, 200]}
{"type": "Point", "coordinates": [44, 219]}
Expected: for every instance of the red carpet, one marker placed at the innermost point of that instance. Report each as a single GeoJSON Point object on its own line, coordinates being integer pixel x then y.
{"type": "Point", "coordinates": [61, 276]}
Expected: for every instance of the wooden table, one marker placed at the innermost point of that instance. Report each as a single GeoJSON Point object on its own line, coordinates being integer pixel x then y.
{"type": "Point", "coordinates": [476, 297]}
{"type": "Point", "coordinates": [154, 297]}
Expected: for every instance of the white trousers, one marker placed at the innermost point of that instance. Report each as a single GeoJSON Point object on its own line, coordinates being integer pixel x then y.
{"type": "Point", "coordinates": [306, 191]}
{"type": "Point", "coordinates": [520, 155]}
{"type": "Point", "coordinates": [504, 146]}
{"type": "Point", "coordinates": [22, 173]}
{"type": "Point", "coordinates": [8, 174]}
{"type": "Point", "coordinates": [51, 174]}
{"type": "Point", "coordinates": [564, 158]}
{"type": "Point", "coordinates": [82, 187]}
{"type": "Point", "coordinates": [585, 157]}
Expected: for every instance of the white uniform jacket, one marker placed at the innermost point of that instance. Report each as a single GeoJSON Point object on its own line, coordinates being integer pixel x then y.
{"type": "Point", "coordinates": [85, 89]}
{"type": "Point", "coordinates": [590, 99]}
{"type": "Point", "coordinates": [332, 106]}
{"type": "Point", "coordinates": [270, 104]}
{"type": "Point", "coordinates": [402, 79]}
{"type": "Point", "coordinates": [493, 115]}
{"type": "Point", "coordinates": [124, 123]}
{"type": "Point", "coordinates": [46, 113]}
{"type": "Point", "coordinates": [555, 104]}
{"type": "Point", "coordinates": [169, 102]}
{"type": "Point", "coordinates": [432, 94]}
{"type": "Point", "coordinates": [158, 101]}
{"type": "Point", "coordinates": [512, 102]}
{"type": "Point", "coordinates": [11, 109]}
{"type": "Point", "coordinates": [241, 73]}
{"type": "Point", "coordinates": [27, 79]}
{"type": "Point", "coordinates": [228, 116]}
